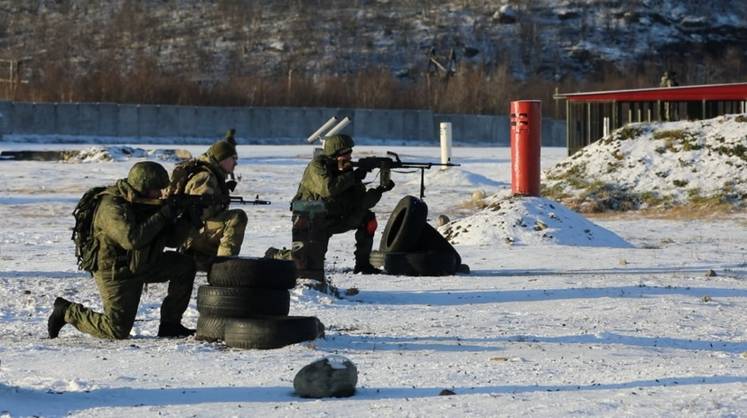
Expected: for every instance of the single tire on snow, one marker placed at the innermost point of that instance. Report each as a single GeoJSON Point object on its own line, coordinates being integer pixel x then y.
{"type": "Point", "coordinates": [241, 302]}
{"type": "Point", "coordinates": [421, 263]}
{"type": "Point", "coordinates": [210, 328]}
{"type": "Point", "coordinates": [376, 259]}
{"type": "Point", "coordinates": [404, 225]}
{"type": "Point", "coordinates": [266, 273]}
{"type": "Point", "coordinates": [432, 240]}
{"type": "Point", "coordinates": [271, 332]}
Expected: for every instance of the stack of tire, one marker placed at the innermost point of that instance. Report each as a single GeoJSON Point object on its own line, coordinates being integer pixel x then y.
{"type": "Point", "coordinates": [246, 305]}
{"type": "Point", "coordinates": [412, 247]}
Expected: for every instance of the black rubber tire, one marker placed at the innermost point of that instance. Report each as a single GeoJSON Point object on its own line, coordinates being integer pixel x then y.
{"type": "Point", "coordinates": [421, 263]}
{"type": "Point", "coordinates": [265, 273]}
{"type": "Point", "coordinates": [241, 302]}
{"type": "Point", "coordinates": [403, 228]}
{"type": "Point", "coordinates": [432, 240]}
{"type": "Point", "coordinates": [271, 331]}
{"type": "Point", "coordinates": [376, 259]}
{"type": "Point", "coordinates": [210, 328]}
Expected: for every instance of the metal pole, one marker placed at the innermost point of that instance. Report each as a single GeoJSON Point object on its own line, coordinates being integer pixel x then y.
{"type": "Point", "coordinates": [606, 127]}
{"type": "Point", "coordinates": [445, 133]}
{"type": "Point", "coordinates": [568, 122]}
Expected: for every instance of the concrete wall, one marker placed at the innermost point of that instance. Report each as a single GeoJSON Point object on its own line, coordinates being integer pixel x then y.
{"type": "Point", "coordinates": [253, 124]}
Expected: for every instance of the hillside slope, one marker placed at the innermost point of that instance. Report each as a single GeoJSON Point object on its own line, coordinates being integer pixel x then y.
{"type": "Point", "coordinates": [211, 40]}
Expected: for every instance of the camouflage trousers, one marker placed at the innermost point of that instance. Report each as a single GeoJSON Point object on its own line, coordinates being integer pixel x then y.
{"type": "Point", "coordinates": [311, 238]}
{"type": "Point", "coordinates": [222, 235]}
{"type": "Point", "coordinates": [120, 295]}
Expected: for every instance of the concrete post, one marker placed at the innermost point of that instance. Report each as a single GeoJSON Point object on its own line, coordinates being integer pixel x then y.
{"type": "Point", "coordinates": [445, 133]}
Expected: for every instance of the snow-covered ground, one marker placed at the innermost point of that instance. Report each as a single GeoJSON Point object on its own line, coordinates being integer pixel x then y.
{"type": "Point", "coordinates": [620, 316]}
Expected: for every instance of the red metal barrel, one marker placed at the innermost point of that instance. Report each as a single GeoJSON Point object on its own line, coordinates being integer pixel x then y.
{"type": "Point", "coordinates": [526, 139]}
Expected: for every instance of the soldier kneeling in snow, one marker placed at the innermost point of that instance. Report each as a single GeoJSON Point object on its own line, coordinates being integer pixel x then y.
{"type": "Point", "coordinates": [332, 199]}
{"type": "Point", "coordinates": [131, 228]}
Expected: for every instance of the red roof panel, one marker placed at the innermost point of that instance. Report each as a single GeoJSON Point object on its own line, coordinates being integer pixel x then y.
{"type": "Point", "coordinates": [734, 91]}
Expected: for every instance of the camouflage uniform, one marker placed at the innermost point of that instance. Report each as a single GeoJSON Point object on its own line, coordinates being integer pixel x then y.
{"type": "Point", "coordinates": [131, 238]}
{"type": "Point", "coordinates": [223, 231]}
{"type": "Point", "coordinates": [347, 206]}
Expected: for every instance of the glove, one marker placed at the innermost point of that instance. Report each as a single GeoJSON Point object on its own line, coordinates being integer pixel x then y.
{"type": "Point", "coordinates": [343, 165]}
{"type": "Point", "coordinates": [231, 185]}
{"type": "Point", "coordinates": [360, 173]}
{"type": "Point", "coordinates": [386, 187]}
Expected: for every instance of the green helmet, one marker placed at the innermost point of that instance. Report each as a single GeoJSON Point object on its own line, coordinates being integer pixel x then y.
{"type": "Point", "coordinates": [338, 144]}
{"type": "Point", "coordinates": [221, 150]}
{"type": "Point", "coordinates": [148, 175]}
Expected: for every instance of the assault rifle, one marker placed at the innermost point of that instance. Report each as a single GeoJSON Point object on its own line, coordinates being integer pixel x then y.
{"type": "Point", "coordinates": [386, 164]}
{"type": "Point", "coordinates": [206, 200]}
{"type": "Point", "coordinates": [193, 205]}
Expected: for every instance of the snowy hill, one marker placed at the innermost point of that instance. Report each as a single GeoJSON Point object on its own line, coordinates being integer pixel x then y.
{"type": "Point", "coordinates": [656, 165]}
{"type": "Point", "coordinates": [528, 221]}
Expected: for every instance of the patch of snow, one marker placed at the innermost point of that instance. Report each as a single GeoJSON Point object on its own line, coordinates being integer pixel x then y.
{"type": "Point", "coordinates": [337, 362]}
{"type": "Point", "coordinates": [114, 153]}
{"type": "Point", "coordinates": [518, 220]}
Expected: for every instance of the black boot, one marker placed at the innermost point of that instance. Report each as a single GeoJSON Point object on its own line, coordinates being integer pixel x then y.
{"type": "Point", "coordinates": [57, 318]}
{"type": "Point", "coordinates": [174, 330]}
{"type": "Point", "coordinates": [366, 269]}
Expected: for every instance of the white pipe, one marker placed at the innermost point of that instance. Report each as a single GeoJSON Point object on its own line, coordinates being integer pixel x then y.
{"type": "Point", "coordinates": [316, 135]}
{"type": "Point", "coordinates": [606, 127]}
{"type": "Point", "coordinates": [340, 126]}
{"type": "Point", "coordinates": [445, 132]}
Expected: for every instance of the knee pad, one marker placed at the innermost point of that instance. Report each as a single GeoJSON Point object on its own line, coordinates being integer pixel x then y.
{"type": "Point", "coordinates": [238, 217]}
{"type": "Point", "coordinates": [371, 225]}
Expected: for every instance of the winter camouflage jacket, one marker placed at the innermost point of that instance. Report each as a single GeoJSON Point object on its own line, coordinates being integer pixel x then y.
{"type": "Point", "coordinates": [131, 236]}
{"type": "Point", "coordinates": [209, 180]}
{"type": "Point", "coordinates": [342, 193]}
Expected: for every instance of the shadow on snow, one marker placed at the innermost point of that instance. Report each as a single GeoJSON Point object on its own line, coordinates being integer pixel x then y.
{"type": "Point", "coordinates": [335, 342]}
{"type": "Point", "coordinates": [36, 402]}
{"type": "Point", "coordinates": [471, 297]}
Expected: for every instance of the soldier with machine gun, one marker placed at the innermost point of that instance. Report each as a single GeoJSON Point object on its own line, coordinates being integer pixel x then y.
{"type": "Point", "coordinates": [332, 199]}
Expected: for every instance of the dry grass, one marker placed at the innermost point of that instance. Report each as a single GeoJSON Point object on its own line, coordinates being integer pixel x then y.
{"type": "Point", "coordinates": [681, 213]}
{"type": "Point", "coordinates": [474, 89]}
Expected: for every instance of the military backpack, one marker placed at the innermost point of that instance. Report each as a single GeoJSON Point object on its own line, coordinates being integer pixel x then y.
{"type": "Point", "coordinates": [182, 173]}
{"type": "Point", "coordinates": [86, 245]}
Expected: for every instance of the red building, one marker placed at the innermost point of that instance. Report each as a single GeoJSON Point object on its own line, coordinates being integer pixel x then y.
{"type": "Point", "coordinates": [592, 115]}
